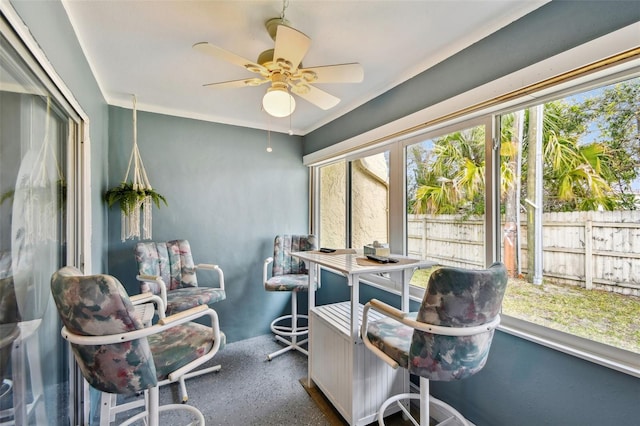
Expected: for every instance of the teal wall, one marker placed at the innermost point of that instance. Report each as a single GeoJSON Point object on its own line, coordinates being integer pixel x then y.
{"type": "Point", "coordinates": [523, 383]}
{"type": "Point", "coordinates": [226, 195]}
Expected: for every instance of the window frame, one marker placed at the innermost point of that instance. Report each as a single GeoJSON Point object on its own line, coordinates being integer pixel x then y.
{"type": "Point", "coordinates": [588, 65]}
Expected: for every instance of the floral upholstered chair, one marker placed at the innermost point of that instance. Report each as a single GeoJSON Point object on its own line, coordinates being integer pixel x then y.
{"type": "Point", "coordinates": [114, 350]}
{"type": "Point", "coordinates": [289, 273]}
{"type": "Point", "coordinates": [167, 269]}
{"type": "Point", "coordinates": [447, 339]}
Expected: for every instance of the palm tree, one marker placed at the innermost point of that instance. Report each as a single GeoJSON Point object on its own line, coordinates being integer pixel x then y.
{"type": "Point", "coordinates": [453, 180]}
{"type": "Point", "coordinates": [580, 172]}
{"type": "Point", "coordinates": [574, 174]}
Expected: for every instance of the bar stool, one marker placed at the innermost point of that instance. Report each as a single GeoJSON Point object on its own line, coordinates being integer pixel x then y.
{"type": "Point", "coordinates": [289, 274]}
{"type": "Point", "coordinates": [447, 339]}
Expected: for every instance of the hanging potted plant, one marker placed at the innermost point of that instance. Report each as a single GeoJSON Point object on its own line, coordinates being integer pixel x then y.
{"type": "Point", "coordinates": [131, 198]}
{"type": "Point", "coordinates": [136, 196]}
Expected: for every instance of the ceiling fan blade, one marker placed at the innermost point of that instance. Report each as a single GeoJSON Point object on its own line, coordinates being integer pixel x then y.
{"type": "Point", "coordinates": [245, 82]}
{"type": "Point", "coordinates": [225, 55]}
{"type": "Point", "coordinates": [291, 45]}
{"type": "Point", "coordinates": [318, 97]}
{"type": "Point", "coordinates": [342, 73]}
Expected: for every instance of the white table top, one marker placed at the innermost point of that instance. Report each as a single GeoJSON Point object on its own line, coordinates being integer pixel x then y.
{"type": "Point", "coordinates": [347, 263]}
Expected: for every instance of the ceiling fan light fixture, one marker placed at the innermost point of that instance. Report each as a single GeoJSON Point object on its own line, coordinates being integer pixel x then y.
{"type": "Point", "coordinates": [278, 102]}
{"type": "Point", "coordinates": [282, 67]}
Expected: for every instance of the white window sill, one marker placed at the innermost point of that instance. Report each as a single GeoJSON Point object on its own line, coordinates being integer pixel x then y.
{"type": "Point", "coordinates": [598, 353]}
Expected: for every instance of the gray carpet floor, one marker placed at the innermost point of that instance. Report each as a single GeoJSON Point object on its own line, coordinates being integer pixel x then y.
{"type": "Point", "coordinates": [249, 390]}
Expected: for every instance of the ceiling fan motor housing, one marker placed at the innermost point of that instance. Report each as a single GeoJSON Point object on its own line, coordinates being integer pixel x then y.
{"type": "Point", "coordinates": [272, 26]}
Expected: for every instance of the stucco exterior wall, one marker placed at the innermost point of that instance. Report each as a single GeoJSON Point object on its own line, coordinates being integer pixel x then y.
{"type": "Point", "coordinates": [369, 203]}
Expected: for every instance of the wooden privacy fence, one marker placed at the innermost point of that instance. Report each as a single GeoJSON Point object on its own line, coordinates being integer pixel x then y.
{"type": "Point", "coordinates": [595, 250]}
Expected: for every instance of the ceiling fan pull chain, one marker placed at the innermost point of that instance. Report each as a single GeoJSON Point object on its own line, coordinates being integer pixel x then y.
{"type": "Point", "coordinates": [269, 149]}
{"type": "Point", "coordinates": [290, 114]}
{"type": "Point", "coordinates": [285, 4]}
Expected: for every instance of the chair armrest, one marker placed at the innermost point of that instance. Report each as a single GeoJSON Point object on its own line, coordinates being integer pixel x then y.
{"type": "Point", "coordinates": [181, 315]}
{"type": "Point", "coordinates": [265, 274]}
{"type": "Point", "coordinates": [156, 279]}
{"type": "Point", "coordinates": [143, 277]}
{"type": "Point", "coordinates": [453, 331]}
{"type": "Point", "coordinates": [212, 267]}
{"type": "Point", "coordinates": [400, 316]}
{"type": "Point", "coordinates": [167, 323]}
{"type": "Point", "coordinates": [162, 325]}
{"type": "Point", "coordinates": [138, 299]}
{"type": "Point", "coordinates": [189, 315]}
{"type": "Point", "coordinates": [363, 329]}
{"type": "Point", "coordinates": [387, 310]}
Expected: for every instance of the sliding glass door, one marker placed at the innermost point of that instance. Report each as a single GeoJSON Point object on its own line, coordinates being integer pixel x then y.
{"type": "Point", "coordinates": [37, 138]}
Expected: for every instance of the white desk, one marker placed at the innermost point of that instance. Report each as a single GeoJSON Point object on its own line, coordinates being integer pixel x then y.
{"type": "Point", "coordinates": [354, 380]}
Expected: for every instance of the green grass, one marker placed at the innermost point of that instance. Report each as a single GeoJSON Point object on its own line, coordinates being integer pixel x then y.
{"type": "Point", "coordinates": [604, 317]}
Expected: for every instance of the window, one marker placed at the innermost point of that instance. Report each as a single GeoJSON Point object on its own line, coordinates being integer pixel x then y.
{"type": "Point", "coordinates": [369, 184]}
{"type": "Point", "coordinates": [359, 186]}
{"type": "Point", "coordinates": [446, 199]}
{"type": "Point", "coordinates": [546, 181]}
{"type": "Point", "coordinates": [571, 197]}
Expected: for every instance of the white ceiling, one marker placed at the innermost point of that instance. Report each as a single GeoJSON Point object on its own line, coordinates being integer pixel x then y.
{"type": "Point", "coordinates": [144, 47]}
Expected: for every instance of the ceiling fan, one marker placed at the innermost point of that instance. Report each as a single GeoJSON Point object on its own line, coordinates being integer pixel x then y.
{"type": "Point", "coordinates": [282, 68]}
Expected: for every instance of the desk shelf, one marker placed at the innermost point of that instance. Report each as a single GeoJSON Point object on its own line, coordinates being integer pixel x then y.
{"type": "Point", "coordinates": [355, 380]}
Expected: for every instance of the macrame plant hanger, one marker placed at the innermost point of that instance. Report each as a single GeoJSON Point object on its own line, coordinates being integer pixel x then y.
{"type": "Point", "coordinates": [131, 217]}
{"type": "Point", "coordinates": [41, 202]}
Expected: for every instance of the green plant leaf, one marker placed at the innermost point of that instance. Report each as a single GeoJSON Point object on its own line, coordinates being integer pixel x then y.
{"type": "Point", "coordinates": [129, 198]}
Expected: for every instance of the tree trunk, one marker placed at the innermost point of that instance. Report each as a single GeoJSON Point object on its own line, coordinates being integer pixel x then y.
{"type": "Point", "coordinates": [534, 196]}
{"type": "Point", "coordinates": [510, 232]}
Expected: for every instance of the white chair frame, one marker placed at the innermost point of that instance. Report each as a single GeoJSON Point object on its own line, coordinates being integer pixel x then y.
{"type": "Point", "coordinates": [424, 397]}
{"type": "Point", "coordinates": [163, 286]}
{"type": "Point", "coordinates": [295, 330]}
{"type": "Point", "coordinates": [25, 343]}
{"type": "Point", "coordinates": [184, 396]}
{"type": "Point", "coordinates": [109, 407]}
{"type": "Point", "coordinates": [151, 401]}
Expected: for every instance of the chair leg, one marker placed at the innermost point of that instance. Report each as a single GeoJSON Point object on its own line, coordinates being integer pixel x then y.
{"type": "Point", "coordinates": [184, 396]}
{"type": "Point", "coordinates": [107, 403]}
{"type": "Point", "coordinates": [151, 415]}
{"type": "Point", "coordinates": [109, 408]}
{"type": "Point", "coordinates": [153, 406]}
{"type": "Point", "coordinates": [293, 332]}
{"type": "Point", "coordinates": [425, 402]}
